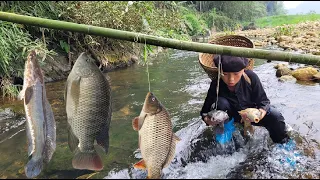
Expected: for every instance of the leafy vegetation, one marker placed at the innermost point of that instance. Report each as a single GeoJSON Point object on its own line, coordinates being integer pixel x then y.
{"type": "Point", "coordinates": [272, 21]}
{"type": "Point", "coordinates": [284, 30]}
{"type": "Point", "coordinates": [172, 19]}
{"type": "Point", "coordinates": [15, 43]}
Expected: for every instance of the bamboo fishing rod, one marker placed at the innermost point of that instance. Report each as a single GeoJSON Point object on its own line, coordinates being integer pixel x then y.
{"type": "Point", "coordinates": [160, 41]}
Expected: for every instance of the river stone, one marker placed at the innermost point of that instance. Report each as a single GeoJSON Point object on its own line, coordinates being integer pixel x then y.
{"type": "Point", "coordinates": [316, 77]}
{"type": "Point", "coordinates": [305, 73]}
{"type": "Point", "coordinates": [6, 113]}
{"type": "Point", "coordinates": [312, 34]}
{"type": "Point", "coordinates": [279, 65]}
{"type": "Point", "coordinates": [283, 70]}
{"type": "Point", "coordinates": [258, 43]}
{"type": "Point", "coordinates": [284, 38]}
{"type": "Point", "coordinates": [287, 78]}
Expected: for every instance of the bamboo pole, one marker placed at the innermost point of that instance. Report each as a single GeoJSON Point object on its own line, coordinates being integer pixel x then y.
{"type": "Point", "coordinates": [160, 41]}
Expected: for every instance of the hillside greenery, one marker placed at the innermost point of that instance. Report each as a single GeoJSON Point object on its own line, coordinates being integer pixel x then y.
{"type": "Point", "coordinates": [172, 19]}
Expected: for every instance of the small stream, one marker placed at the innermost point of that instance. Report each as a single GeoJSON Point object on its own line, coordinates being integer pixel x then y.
{"type": "Point", "coordinates": [181, 85]}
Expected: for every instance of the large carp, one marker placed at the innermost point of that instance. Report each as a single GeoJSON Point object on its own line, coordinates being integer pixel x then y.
{"type": "Point", "coordinates": [157, 142]}
{"type": "Point", "coordinates": [40, 125]}
{"type": "Point", "coordinates": [247, 116]}
{"type": "Point", "coordinates": [88, 107]}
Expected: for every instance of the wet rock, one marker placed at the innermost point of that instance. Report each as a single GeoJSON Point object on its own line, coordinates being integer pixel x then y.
{"type": "Point", "coordinates": [251, 26]}
{"type": "Point", "coordinates": [279, 65]}
{"type": "Point", "coordinates": [287, 78]}
{"type": "Point", "coordinates": [134, 58]}
{"type": "Point", "coordinates": [284, 45]}
{"type": "Point", "coordinates": [205, 145]}
{"type": "Point", "coordinates": [316, 77]}
{"type": "Point", "coordinates": [315, 52]}
{"type": "Point", "coordinates": [305, 73]}
{"type": "Point", "coordinates": [271, 38]}
{"type": "Point", "coordinates": [283, 70]}
{"type": "Point", "coordinates": [6, 113]}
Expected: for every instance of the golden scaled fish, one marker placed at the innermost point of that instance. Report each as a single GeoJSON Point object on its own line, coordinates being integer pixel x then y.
{"type": "Point", "coordinates": [88, 108]}
{"type": "Point", "coordinates": [157, 142]}
{"type": "Point", "coordinates": [40, 124]}
{"type": "Point", "coordinates": [253, 114]}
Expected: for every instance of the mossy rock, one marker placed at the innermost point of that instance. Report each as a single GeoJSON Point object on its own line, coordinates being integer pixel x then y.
{"type": "Point", "coordinates": [283, 70]}
{"type": "Point", "coordinates": [305, 73]}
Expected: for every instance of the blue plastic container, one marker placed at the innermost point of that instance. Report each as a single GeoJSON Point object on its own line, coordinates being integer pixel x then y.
{"type": "Point", "coordinates": [227, 134]}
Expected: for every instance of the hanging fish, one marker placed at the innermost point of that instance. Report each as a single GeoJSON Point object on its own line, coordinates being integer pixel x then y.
{"type": "Point", "coordinates": [40, 125]}
{"type": "Point", "coordinates": [88, 107]}
{"type": "Point", "coordinates": [157, 142]}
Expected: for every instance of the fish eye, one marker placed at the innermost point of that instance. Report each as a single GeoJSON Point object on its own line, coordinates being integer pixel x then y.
{"type": "Point", "coordinates": [153, 99]}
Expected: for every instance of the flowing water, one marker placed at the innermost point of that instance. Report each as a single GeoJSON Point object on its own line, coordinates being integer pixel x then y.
{"type": "Point", "coordinates": [181, 85]}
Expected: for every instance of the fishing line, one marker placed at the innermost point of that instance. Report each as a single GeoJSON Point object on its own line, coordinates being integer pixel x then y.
{"type": "Point", "coordinates": [218, 83]}
{"type": "Point", "coordinates": [145, 60]}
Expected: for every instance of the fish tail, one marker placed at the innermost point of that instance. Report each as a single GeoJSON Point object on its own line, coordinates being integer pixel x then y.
{"type": "Point", "coordinates": [87, 160]}
{"type": "Point", "coordinates": [33, 167]}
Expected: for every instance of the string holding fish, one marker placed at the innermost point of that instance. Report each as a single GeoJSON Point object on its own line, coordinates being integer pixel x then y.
{"type": "Point", "coordinates": [145, 53]}
{"type": "Point", "coordinates": [218, 81]}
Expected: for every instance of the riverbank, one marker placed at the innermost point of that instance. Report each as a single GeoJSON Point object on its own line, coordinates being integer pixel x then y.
{"type": "Point", "coordinates": [302, 37]}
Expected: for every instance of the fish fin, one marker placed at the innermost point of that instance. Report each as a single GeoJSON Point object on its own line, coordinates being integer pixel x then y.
{"type": "Point", "coordinates": [33, 167]}
{"type": "Point", "coordinates": [85, 160]}
{"type": "Point", "coordinates": [175, 138]}
{"type": "Point", "coordinates": [73, 141]}
{"type": "Point", "coordinates": [28, 94]}
{"type": "Point", "coordinates": [50, 144]}
{"type": "Point", "coordinates": [140, 165]}
{"type": "Point", "coordinates": [103, 138]}
{"type": "Point", "coordinates": [75, 89]}
{"type": "Point", "coordinates": [171, 152]}
{"type": "Point", "coordinates": [72, 97]}
{"type": "Point", "coordinates": [65, 91]}
{"type": "Point", "coordinates": [135, 123]}
{"type": "Point", "coordinates": [142, 117]}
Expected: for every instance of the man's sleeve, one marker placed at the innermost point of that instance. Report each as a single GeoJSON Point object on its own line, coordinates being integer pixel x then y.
{"type": "Point", "coordinates": [210, 99]}
{"type": "Point", "coordinates": [258, 94]}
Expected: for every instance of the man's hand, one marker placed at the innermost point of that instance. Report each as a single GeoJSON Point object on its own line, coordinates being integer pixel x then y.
{"type": "Point", "coordinates": [263, 113]}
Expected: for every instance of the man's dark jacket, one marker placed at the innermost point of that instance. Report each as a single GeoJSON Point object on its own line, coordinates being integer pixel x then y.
{"type": "Point", "coordinates": [246, 95]}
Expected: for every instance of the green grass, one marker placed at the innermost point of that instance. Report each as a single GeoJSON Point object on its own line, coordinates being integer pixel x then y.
{"type": "Point", "coordinates": [272, 21]}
